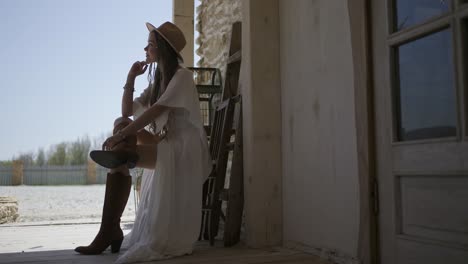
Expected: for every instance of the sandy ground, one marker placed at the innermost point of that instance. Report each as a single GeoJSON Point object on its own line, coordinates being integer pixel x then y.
{"type": "Point", "coordinates": [56, 217]}
{"type": "Point", "coordinates": [32, 238]}
{"type": "Point", "coordinates": [62, 204]}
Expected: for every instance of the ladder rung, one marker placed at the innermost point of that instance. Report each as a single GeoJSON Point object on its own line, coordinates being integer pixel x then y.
{"type": "Point", "coordinates": [208, 89]}
{"type": "Point", "coordinates": [235, 57]}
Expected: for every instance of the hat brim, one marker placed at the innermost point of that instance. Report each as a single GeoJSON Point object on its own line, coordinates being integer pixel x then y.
{"type": "Point", "coordinates": [153, 28]}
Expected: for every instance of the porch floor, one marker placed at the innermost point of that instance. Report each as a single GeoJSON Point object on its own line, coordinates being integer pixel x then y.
{"type": "Point", "coordinates": [46, 243]}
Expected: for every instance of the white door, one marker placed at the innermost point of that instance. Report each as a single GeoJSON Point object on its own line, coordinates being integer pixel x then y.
{"type": "Point", "coordinates": [420, 70]}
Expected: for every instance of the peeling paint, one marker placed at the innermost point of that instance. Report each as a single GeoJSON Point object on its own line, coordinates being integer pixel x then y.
{"type": "Point", "coordinates": [316, 107]}
{"type": "Point", "coordinates": [291, 133]}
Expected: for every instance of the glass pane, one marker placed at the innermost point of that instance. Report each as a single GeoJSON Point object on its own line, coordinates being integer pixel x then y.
{"type": "Point", "coordinates": [426, 101]}
{"type": "Point", "coordinates": [411, 12]}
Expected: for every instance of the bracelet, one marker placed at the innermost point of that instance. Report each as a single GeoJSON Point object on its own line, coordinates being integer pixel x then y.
{"type": "Point", "coordinates": [128, 88]}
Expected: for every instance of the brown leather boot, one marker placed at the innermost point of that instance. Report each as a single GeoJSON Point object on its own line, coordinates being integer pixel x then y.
{"type": "Point", "coordinates": [118, 188]}
{"type": "Point", "coordinates": [123, 153]}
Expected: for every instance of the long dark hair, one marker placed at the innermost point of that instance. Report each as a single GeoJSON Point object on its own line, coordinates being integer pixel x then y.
{"type": "Point", "coordinates": [168, 61]}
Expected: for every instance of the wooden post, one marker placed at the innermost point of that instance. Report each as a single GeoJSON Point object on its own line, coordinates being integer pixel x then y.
{"type": "Point", "coordinates": [183, 17]}
{"type": "Point", "coordinates": [231, 82]}
{"type": "Point", "coordinates": [360, 21]}
{"type": "Point", "coordinates": [17, 172]}
{"type": "Point", "coordinates": [91, 175]}
{"type": "Point", "coordinates": [235, 205]}
{"type": "Point", "coordinates": [261, 121]}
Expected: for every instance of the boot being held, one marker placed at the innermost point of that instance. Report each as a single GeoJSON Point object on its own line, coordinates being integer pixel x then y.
{"type": "Point", "coordinates": [123, 153]}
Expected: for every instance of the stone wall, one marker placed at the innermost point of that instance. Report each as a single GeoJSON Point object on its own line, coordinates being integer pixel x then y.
{"type": "Point", "coordinates": [214, 21]}
{"type": "Point", "coordinates": [8, 209]}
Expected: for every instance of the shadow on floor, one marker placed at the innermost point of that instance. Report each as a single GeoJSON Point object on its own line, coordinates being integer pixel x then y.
{"type": "Point", "coordinates": [202, 254]}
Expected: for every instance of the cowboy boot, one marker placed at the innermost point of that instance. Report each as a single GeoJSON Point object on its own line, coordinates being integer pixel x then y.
{"type": "Point", "coordinates": [123, 153]}
{"type": "Point", "coordinates": [118, 188]}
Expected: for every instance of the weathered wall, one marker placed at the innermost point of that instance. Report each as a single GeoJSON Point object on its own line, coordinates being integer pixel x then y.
{"type": "Point", "coordinates": [320, 179]}
{"type": "Point", "coordinates": [214, 20]}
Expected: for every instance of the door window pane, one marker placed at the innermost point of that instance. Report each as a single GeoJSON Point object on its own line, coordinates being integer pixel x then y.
{"type": "Point", "coordinates": [412, 12]}
{"type": "Point", "coordinates": [426, 101]}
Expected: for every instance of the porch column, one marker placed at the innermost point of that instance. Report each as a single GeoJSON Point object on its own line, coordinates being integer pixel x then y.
{"type": "Point", "coordinates": [183, 17]}
{"type": "Point", "coordinates": [261, 99]}
{"type": "Point", "coordinates": [359, 17]}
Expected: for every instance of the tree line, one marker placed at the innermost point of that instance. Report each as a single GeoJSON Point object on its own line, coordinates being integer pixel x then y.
{"type": "Point", "coordinates": [64, 153]}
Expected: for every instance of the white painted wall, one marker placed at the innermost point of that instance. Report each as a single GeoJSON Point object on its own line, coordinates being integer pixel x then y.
{"type": "Point", "coordinates": [320, 179]}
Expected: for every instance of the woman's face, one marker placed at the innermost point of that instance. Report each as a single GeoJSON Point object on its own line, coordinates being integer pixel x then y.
{"type": "Point", "coordinates": [151, 49]}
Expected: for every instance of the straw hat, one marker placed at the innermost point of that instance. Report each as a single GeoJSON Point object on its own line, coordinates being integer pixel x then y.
{"type": "Point", "coordinates": [172, 34]}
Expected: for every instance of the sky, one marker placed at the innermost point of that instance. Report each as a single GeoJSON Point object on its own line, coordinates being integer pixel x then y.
{"type": "Point", "coordinates": [63, 66]}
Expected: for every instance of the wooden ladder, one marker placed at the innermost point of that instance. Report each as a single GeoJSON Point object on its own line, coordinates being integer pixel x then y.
{"type": "Point", "coordinates": [225, 138]}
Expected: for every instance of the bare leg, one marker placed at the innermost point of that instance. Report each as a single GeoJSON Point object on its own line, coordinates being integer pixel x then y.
{"type": "Point", "coordinates": [145, 138]}
{"type": "Point", "coordinates": [147, 156]}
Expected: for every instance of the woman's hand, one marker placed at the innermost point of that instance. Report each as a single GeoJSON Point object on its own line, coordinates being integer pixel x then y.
{"type": "Point", "coordinates": [112, 141]}
{"type": "Point", "coordinates": [138, 68]}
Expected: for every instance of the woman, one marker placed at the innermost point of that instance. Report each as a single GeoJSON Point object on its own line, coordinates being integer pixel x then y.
{"type": "Point", "coordinates": [166, 138]}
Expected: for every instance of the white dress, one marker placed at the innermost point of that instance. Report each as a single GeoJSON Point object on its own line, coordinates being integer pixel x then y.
{"type": "Point", "coordinates": [168, 217]}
